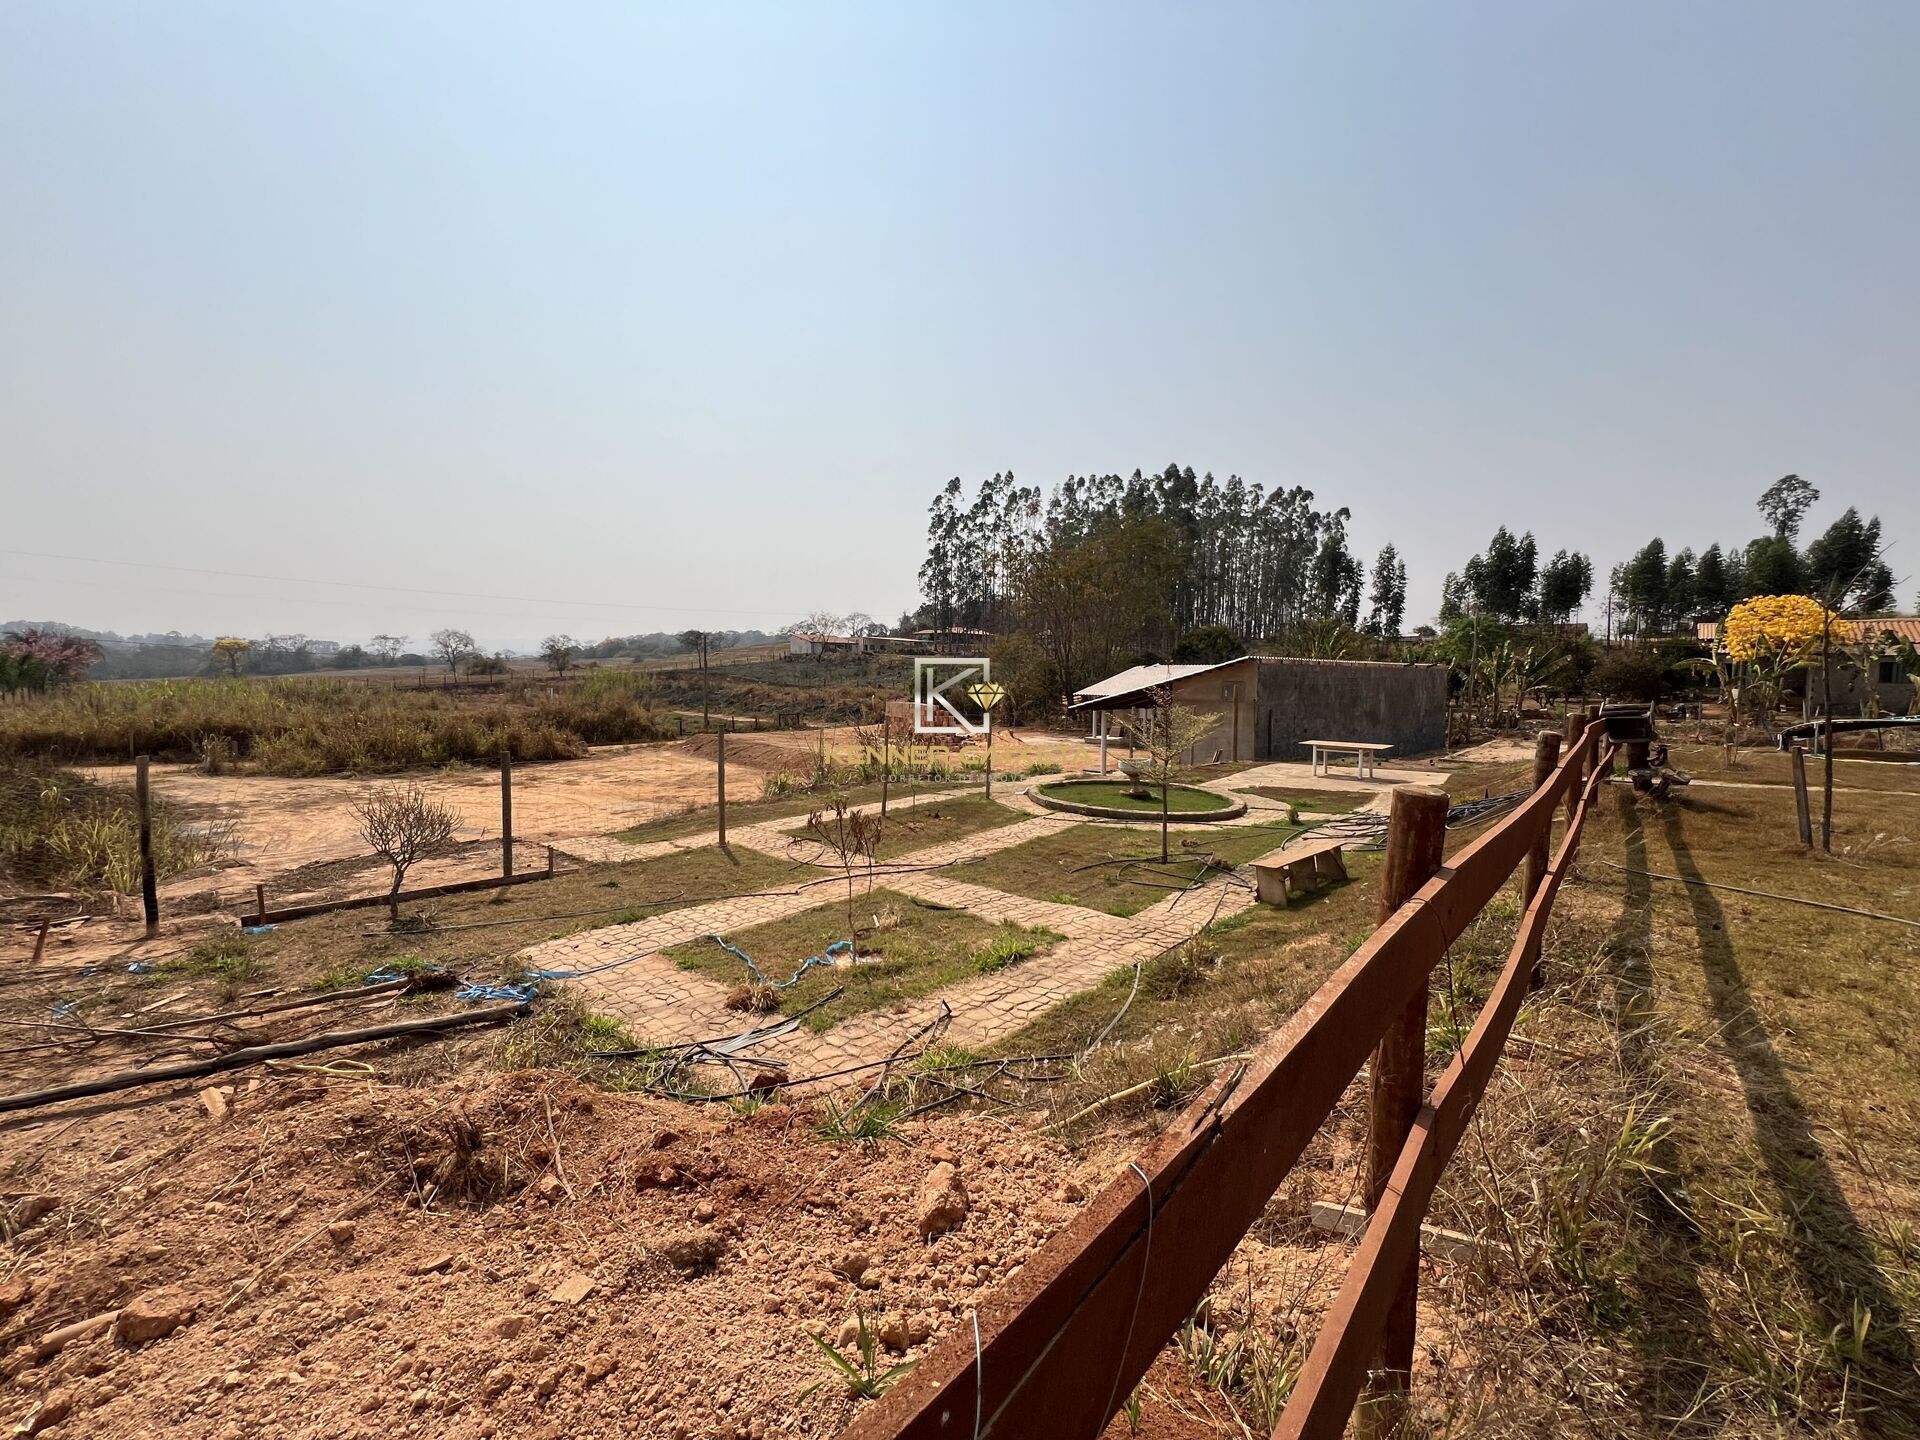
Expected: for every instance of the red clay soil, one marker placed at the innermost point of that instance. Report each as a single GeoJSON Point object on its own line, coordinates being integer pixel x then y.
{"type": "Point", "coordinates": [498, 1254]}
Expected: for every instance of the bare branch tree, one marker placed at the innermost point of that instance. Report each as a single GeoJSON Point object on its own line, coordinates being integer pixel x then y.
{"type": "Point", "coordinates": [851, 835]}
{"type": "Point", "coordinates": [1167, 733]}
{"type": "Point", "coordinates": [402, 824]}
{"type": "Point", "coordinates": [453, 646]}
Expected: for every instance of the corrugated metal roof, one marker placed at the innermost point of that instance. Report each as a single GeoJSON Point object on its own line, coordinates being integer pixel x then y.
{"type": "Point", "coordinates": [1143, 677]}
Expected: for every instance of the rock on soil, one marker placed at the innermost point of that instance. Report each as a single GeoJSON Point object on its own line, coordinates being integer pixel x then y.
{"type": "Point", "coordinates": [153, 1315]}
{"type": "Point", "coordinates": [943, 1201]}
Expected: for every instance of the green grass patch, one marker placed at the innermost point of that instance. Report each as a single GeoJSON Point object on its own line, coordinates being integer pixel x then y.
{"type": "Point", "coordinates": [1323, 802]}
{"type": "Point", "coordinates": [938, 822]}
{"type": "Point", "coordinates": [907, 949]}
{"type": "Point", "coordinates": [1119, 795]}
{"type": "Point", "coordinates": [1214, 996]}
{"type": "Point", "coordinates": [1086, 864]}
{"type": "Point", "coordinates": [360, 972]}
{"type": "Point", "coordinates": [477, 936]}
{"type": "Point", "coordinates": [225, 955]}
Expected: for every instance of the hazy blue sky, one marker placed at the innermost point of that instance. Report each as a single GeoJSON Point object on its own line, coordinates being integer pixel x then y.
{"type": "Point", "coordinates": [695, 307]}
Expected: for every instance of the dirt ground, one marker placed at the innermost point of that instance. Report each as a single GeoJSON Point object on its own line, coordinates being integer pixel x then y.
{"type": "Point", "coordinates": [514, 1255]}
{"type": "Point", "coordinates": [434, 1241]}
{"type": "Point", "coordinates": [280, 825]}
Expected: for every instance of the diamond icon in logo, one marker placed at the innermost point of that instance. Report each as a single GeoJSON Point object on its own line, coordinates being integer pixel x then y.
{"type": "Point", "coordinates": [986, 694]}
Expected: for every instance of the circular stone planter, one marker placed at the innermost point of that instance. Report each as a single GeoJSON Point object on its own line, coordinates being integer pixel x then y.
{"type": "Point", "coordinates": [1060, 795]}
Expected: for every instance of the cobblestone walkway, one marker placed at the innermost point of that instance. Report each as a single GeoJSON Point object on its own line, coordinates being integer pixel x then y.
{"type": "Point", "coordinates": [663, 1004]}
{"type": "Point", "coordinates": [612, 850]}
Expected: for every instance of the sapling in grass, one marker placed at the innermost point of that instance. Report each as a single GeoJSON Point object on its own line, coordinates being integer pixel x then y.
{"type": "Point", "coordinates": [852, 835]}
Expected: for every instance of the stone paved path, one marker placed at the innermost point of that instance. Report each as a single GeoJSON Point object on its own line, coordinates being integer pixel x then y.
{"type": "Point", "coordinates": [663, 1004]}
{"type": "Point", "coordinates": [612, 850]}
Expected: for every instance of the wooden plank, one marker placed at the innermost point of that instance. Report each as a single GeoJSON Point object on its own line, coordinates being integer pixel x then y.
{"type": "Point", "coordinates": [1060, 1345]}
{"type": "Point", "coordinates": [1351, 1221]}
{"type": "Point", "coordinates": [361, 902]}
{"type": "Point", "coordinates": [1337, 1368]}
{"type": "Point", "coordinates": [1047, 1335]}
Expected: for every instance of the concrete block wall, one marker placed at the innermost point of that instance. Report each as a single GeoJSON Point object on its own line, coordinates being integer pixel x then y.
{"type": "Point", "coordinates": [1380, 702]}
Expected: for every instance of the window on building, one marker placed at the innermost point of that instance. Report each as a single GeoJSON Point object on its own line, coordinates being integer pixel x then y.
{"type": "Point", "coordinates": [1889, 674]}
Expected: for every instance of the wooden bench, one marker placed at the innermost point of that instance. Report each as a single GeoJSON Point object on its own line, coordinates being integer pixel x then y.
{"type": "Point", "coordinates": [1303, 867]}
{"type": "Point", "coordinates": [1364, 753]}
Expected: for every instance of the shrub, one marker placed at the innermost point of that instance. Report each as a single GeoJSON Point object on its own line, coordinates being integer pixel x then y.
{"type": "Point", "coordinates": [58, 829]}
{"type": "Point", "coordinates": [1630, 675]}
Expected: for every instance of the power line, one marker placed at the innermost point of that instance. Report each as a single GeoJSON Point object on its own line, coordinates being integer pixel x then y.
{"type": "Point", "coordinates": [396, 589]}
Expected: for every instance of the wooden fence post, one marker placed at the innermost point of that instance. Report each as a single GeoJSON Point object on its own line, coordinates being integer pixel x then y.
{"type": "Point", "coordinates": [1801, 806]}
{"type": "Point", "coordinates": [1579, 758]}
{"type": "Point", "coordinates": [149, 890]}
{"type": "Point", "coordinates": [506, 814]}
{"type": "Point", "coordinates": [1416, 840]}
{"type": "Point", "coordinates": [1546, 754]}
{"type": "Point", "coordinates": [259, 904]}
{"type": "Point", "coordinates": [40, 940]}
{"type": "Point", "coordinates": [721, 776]}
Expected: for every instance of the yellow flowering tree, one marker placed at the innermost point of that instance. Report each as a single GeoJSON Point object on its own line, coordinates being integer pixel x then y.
{"type": "Point", "coordinates": [1773, 635]}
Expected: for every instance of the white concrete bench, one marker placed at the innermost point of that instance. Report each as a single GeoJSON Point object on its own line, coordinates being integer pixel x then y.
{"type": "Point", "coordinates": [1302, 868]}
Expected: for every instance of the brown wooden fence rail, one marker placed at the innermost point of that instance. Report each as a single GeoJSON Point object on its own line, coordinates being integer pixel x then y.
{"type": "Point", "coordinates": [1055, 1350]}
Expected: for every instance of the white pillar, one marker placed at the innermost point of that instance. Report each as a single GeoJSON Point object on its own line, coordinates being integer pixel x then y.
{"type": "Point", "coordinates": [1103, 741]}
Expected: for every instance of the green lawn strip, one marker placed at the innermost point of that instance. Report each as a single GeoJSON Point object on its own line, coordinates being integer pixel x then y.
{"type": "Point", "coordinates": [702, 821]}
{"type": "Point", "coordinates": [1322, 802]}
{"type": "Point", "coordinates": [937, 822]}
{"type": "Point", "coordinates": [477, 934]}
{"type": "Point", "coordinates": [1050, 868]}
{"type": "Point", "coordinates": [918, 948]}
{"type": "Point", "coordinates": [1118, 794]}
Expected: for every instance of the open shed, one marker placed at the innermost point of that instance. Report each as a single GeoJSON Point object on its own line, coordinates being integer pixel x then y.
{"type": "Point", "coordinates": [1269, 704]}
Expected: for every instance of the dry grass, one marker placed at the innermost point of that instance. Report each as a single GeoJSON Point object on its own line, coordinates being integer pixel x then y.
{"type": "Point", "coordinates": [792, 800]}
{"type": "Point", "coordinates": [477, 934]}
{"type": "Point", "coordinates": [938, 823]}
{"type": "Point", "coordinates": [61, 831]}
{"type": "Point", "coordinates": [319, 727]}
{"type": "Point", "coordinates": [1117, 869]}
{"type": "Point", "coordinates": [1693, 1178]}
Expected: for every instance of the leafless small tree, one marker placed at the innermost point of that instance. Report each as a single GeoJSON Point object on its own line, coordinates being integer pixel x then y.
{"type": "Point", "coordinates": [402, 824]}
{"type": "Point", "coordinates": [852, 836]}
{"type": "Point", "coordinates": [1166, 734]}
